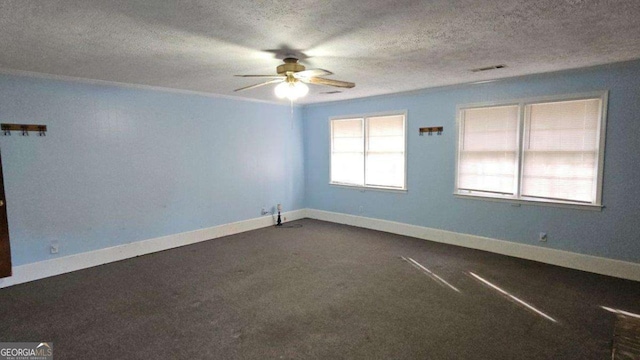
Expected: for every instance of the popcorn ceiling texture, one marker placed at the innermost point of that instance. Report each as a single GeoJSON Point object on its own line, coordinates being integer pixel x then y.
{"type": "Point", "coordinates": [383, 46]}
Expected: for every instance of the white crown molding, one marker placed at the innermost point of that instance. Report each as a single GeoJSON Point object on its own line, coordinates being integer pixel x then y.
{"type": "Point", "coordinates": [594, 264]}
{"type": "Point", "coordinates": [81, 80]}
{"type": "Point", "coordinates": [456, 86]}
{"type": "Point", "coordinates": [62, 265]}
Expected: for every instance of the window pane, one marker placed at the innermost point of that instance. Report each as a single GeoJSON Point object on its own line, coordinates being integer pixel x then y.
{"type": "Point", "coordinates": [488, 149]}
{"type": "Point", "coordinates": [385, 151]}
{"type": "Point", "coordinates": [347, 168]}
{"type": "Point", "coordinates": [347, 151]}
{"type": "Point", "coordinates": [561, 150]}
{"type": "Point", "coordinates": [488, 172]}
{"type": "Point", "coordinates": [385, 170]}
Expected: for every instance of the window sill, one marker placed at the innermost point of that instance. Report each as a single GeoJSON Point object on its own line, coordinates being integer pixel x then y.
{"type": "Point", "coordinates": [367, 188]}
{"type": "Point", "coordinates": [518, 202]}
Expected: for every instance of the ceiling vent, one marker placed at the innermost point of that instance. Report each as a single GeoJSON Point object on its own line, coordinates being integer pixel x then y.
{"type": "Point", "coordinates": [494, 67]}
{"type": "Point", "coordinates": [331, 92]}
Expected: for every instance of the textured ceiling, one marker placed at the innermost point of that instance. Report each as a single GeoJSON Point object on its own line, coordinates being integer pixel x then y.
{"type": "Point", "coordinates": [383, 46]}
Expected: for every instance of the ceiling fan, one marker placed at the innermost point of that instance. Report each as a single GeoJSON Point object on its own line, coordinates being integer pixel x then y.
{"type": "Point", "coordinates": [293, 77]}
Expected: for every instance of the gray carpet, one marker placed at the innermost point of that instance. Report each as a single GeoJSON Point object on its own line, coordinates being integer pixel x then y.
{"type": "Point", "coordinates": [319, 291]}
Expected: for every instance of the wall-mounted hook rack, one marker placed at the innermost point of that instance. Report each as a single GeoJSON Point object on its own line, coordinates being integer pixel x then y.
{"type": "Point", "coordinates": [24, 129]}
{"type": "Point", "coordinates": [430, 130]}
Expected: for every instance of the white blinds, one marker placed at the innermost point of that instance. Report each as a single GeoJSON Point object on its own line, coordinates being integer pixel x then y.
{"type": "Point", "coordinates": [561, 150]}
{"type": "Point", "coordinates": [385, 151]}
{"type": "Point", "coordinates": [489, 150]}
{"type": "Point", "coordinates": [369, 151]}
{"type": "Point", "coordinates": [347, 147]}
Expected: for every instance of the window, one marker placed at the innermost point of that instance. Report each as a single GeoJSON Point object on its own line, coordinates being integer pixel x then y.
{"type": "Point", "coordinates": [545, 150]}
{"type": "Point", "coordinates": [369, 151]}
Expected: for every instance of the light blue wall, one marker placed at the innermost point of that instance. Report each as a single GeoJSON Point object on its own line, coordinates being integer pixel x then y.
{"type": "Point", "coordinates": [120, 165]}
{"type": "Point", "coordinates": [613, 232]}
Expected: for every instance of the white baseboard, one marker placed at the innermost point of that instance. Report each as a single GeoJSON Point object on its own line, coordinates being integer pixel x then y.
{"type": "Point", "coordinates": [594, 264]}
{"type": "Point", "coordinates": [44, 269]}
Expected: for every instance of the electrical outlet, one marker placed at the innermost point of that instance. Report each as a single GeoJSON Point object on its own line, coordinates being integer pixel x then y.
{"type": "Point", "coordinates": [543, 237]}
{"type": "Point", "coordinates": [361, 209]}
{"type": "Point", "coordinates": [55, 247]}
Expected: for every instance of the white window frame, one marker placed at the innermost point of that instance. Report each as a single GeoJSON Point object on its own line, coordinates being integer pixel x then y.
{"type": "Point", "coordinates": [522, 104]}
{"type": "Point", "coordinates": [364, 118]}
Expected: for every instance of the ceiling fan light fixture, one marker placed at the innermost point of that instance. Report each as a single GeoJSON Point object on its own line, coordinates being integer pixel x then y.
{"type": "Point", "coordinates": [292, 79]}
{"type": "Point", "coordinates": [291, 90]}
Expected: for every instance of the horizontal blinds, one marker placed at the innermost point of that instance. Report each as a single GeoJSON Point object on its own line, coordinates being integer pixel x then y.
{"type": "Point", "coordinates": [561, 150]}
{"type": "Point", "coordinates": [385, 151]}
{"type": "Point", "coordinates": [489, 149]}
{"type": "Point", "coordinates": [347, 151]}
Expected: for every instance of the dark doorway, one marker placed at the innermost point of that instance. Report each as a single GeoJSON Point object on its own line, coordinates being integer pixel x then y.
{"type": "Point", "coordinates": [5, 249]}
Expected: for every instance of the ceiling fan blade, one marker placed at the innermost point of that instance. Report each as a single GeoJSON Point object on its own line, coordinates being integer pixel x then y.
{"type": "Point", "coordinates": [311, 73]}
{"type": "Point", "coordinates": [260, 84]}
{"type": "Point", "coordinates": [263, 76]}
{"type": "Point", "coordinates": [330, 82]}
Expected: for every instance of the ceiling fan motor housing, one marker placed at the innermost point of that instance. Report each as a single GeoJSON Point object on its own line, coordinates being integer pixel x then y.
{"type": "Point", "coordinates": [290, 65]}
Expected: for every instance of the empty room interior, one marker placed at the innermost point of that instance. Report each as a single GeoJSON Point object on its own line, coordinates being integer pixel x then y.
{"type": "Point", "coordinates": [320, 179]}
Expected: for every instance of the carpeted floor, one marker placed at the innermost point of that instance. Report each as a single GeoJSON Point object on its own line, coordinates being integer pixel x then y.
{"type": "Point", "coordinates": [319, 291]}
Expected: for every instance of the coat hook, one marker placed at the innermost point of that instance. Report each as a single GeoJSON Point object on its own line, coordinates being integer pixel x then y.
{"type": "Point", "coordinates": [431, 130]}
{"type": "Point", "coordinates": [24, 129]}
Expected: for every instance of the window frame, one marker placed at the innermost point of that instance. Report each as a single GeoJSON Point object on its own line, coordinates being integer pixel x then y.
{"type": "Point", "coordinates": [364, 118]}
{"type": "Point", "coordinates": [522, 104]}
